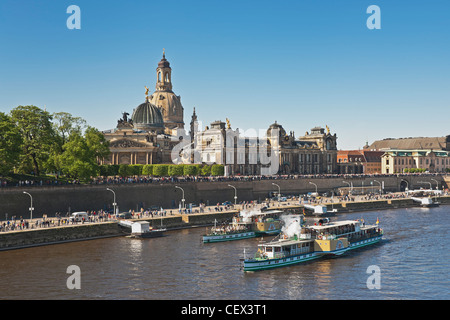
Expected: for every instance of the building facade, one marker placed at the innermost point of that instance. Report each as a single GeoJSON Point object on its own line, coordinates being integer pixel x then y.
{"type": "Point", "coordinates": [359, 161]}
{"type": "Point", "coordinates": [399, 161]}
{"type": "Point", "coordinates": [155, 134]}
{"type": "Point", "coordinates": [275, 152]}
{"type": "Point", "coordinates": [150, 134]}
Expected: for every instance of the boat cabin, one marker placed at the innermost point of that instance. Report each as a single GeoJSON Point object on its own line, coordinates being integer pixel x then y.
{"type": "Point", "coordinates": [140, 227]}
{"type": "Point", "coordinates": [285, 248]}
{"type": "Point", "coordinates": [351, 229]}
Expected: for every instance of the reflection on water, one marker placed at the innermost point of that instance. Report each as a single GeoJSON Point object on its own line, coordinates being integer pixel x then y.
{"type": "Point", "coordinates": [413, 260]}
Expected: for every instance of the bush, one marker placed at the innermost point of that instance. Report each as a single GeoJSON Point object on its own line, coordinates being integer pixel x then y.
{"type": "Point", "coordinates": [147, 170]}
{"type": "Point", "coordinates": [104, 170]}
{"type": "Point", "coordinates": [136, 169]}
{"type": "Point", "coordinates": [113, 170]}
{"type": "Point", "coordinates": [191, 170]}
{"type": "Point", "coordinates": [217, 170]}
{"type": "Point", "coordinates": [206, 170]}
{"type": "Point", "coordinates": [125, 170]}
{"type": "Point", "coordinates": [176, 170]}
{"type": "Point", "coordinates": [160, 170]}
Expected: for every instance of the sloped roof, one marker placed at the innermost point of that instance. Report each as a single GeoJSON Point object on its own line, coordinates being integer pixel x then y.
{"type": "Point", "coordinates": [435, 143]}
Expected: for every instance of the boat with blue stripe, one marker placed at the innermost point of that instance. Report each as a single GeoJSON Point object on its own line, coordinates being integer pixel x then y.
{"type": "Point", "coordinates": [245, 225]}
{"type": "Point", "coordinates": [300, 243]}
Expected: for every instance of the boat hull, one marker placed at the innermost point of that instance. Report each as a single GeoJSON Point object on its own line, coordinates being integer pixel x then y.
{"type": "Point", "coordinates": [228, 237]}
{"type": "Point", "coordinates": [264, 264]}
{"type": "Point", "coordinates": [146, 235]}
{"type": "Point", "coordinates": [268, 232]}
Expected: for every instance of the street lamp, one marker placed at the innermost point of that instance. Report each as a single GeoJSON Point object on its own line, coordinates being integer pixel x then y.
{"type": "Point", "coordinates": [437, 184]}
{"type": "Point", "coordinates": [114, 203]}
{"type": "Point", "coordinates": [31, 206]}
{"type": "Point", "coordinates": [279, 190]}
{"type": "Point", "coordinates": [350, 186]}
{"type": "Point", "coordinates": [182, 200]}
{"type": "Point", "coordinates": [379, 183]}
{"type": "Point", "coordinates": [315, 186]}
{"type": "Point", "coordinates": [235, 193]}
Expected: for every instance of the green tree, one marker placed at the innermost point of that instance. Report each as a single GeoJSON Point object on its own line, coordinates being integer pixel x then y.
{"type": "Point", "coordinates": [81, 154]}
{"type": "Point", "coordinates": [147, 170]}
{"type": "Point", "coordinates": [175, 170]}
{"type": "Point", "coordinates": [113, 170]}
{"type": "Point", "coordinates": [125, 170]}
{"type": "Point", "coordinates": [191, 170]}
{"type": "Point", "coordinates": [160, 170]}
{"type": "Point", "coordinates": [136, 169]}
{"type": "Point", "coordinates": [104, 168]}
{"type": "Point", "coordinates": [206, 170]}
{"type": "Point", "coordinates": [10, 144]}
{"type": "Point", "coordinates": [38, 137]}
{"type": "Point", "coordinates": [97, 143]}
{"type": "Point", "coordinates": [77, 161]}
{"type": "Point", "coordinates": [65, 124]}
{"type": "Point", "coordinates": [217, 170]}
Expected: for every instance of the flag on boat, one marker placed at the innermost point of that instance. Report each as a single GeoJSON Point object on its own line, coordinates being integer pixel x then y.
{"type": "Point", "coordinates": [378, 221]}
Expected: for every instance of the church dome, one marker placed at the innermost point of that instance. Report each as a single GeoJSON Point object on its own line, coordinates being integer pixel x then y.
{"type": "Point", "coordinates": [147, 116]}
{"type": "Point", "coordinates": [163, 63]}
{"type": "Point", "coordinates": [278, 127]}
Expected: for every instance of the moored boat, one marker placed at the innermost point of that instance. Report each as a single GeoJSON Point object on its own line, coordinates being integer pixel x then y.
{"type": "Point", "coordinates": [142, 229]}
{"type": "Point", "coordinates": [300, 243]}
{"type": "Point", "coordinates": [248, 224]}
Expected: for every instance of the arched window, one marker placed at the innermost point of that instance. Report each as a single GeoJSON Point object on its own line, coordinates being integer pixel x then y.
{"type": "Point", "coordinates": [167, 77]}
{"type": "Point", "coordinates": [159, 76]}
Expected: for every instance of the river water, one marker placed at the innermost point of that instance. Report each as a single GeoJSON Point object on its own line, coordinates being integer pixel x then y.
{"type": "Point", "coordinates": [413, 261]}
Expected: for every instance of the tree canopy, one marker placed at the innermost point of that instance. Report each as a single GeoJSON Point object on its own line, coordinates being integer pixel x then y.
{"type": "Point", "coordinates": [33, 141]}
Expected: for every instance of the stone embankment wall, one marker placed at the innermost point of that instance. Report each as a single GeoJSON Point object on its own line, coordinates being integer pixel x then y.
{"type": "Point", "coordinates": [49, 200]}
{"type": "Point", "coordinates": [37, 237]}
{"type": "Point", "coordinates": [29, 238]}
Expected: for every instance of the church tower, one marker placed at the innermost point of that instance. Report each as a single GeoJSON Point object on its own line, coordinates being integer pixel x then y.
{"type": "Point", "coordinates": [164, 75]}
{"type": "Point", "coordinates": [164, 98]}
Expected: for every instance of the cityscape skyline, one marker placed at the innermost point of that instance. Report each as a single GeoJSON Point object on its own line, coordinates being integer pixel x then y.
{"type": "Point", "coordinates": [301, 64]}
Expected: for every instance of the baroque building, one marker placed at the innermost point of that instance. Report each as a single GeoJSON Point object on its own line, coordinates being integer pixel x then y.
{"type": "Point", "coordinates": [275, 152]}
{"type": "Point", "coordinates": [149, 136]}
{"type": "Point", "coordinates": [164, 98]}
{"type": "Point", "coordinates": [155, 134]}
{"type": "Point", "coordinates": [396, 161]}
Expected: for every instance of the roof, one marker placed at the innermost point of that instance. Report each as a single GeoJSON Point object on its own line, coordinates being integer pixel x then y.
{"type": "Point", "coordinates": [334, 224]}
{"type": "Point", "coordinates": [147, 114]}
{"type": "Point", "coordinates": [282, 242]}
{"type": "Point", "coordinates": [410, 143]}
{"type": "Point", "coordinates": [416, 153]}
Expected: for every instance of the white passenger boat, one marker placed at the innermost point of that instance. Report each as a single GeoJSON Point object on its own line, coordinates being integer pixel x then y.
{"type": "Point", "coordinates": [248, 224]}
{"type": "Point", "coordinates": [142, 229]}
{"type": "Point", "coordinates": [299, 243]}
{"type": "Point", "coordinates": [426, 202]}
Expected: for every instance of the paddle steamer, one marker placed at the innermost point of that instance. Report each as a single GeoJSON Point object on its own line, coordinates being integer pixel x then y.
{"type": "Point", "coordinates": [299, 242]}
{"type": "Point", "coordinates": [248, 224]}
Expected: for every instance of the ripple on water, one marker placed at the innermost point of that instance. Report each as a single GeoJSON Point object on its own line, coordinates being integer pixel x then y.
{"type": "Point", "coordinates": [413, 265]}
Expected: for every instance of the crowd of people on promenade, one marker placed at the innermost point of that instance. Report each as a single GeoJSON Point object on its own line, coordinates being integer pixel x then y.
{"type": "Point", "coordinates": [98, 216]}
{"type": "Point", "coordinates": [151, 179]}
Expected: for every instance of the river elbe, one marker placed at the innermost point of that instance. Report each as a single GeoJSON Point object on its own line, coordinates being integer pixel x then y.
{"type": "Point", "coordinates": [413, 263]}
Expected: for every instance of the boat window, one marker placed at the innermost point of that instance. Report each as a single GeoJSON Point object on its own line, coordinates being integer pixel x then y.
{"type": "Point", "coordinates": [268, 249]}
{"type": "Point", "coordinates": [277, 249]}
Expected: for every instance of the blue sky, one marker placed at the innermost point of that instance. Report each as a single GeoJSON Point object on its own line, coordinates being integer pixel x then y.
{"type": "Point", "coordinates": [303, 63]}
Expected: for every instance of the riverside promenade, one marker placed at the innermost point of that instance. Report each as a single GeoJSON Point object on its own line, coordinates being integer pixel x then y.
{"type": "Point", "coordinates": [54, 230]}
